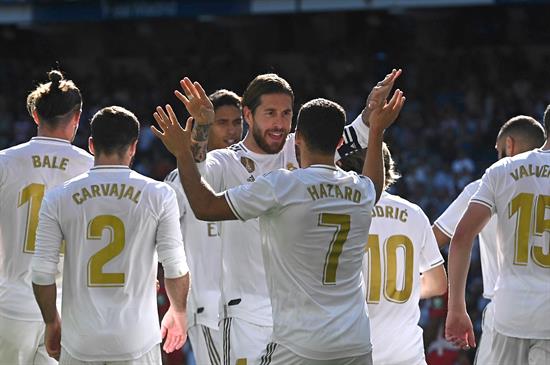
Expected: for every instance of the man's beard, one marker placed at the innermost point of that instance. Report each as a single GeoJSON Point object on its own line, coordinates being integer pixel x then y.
{"type": "Point", "coordinates": [262, 143]}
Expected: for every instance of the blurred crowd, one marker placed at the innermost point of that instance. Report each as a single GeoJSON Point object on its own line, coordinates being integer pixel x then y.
{"type": "Point", "coordinates": [466, 71]}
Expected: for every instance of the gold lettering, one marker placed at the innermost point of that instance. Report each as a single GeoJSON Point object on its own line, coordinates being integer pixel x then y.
{"type": "Point", "coordinates": [114, 190]}
{"type": "Point", "coordinates": [347, 193]}
{"type": "Point", "coordinates": [129, 192]}
{"type": "Point", "coordinates": [356, 196]}
{"type": "Point", "coordinates": [46, 162]}
{"type": "Point", "coordinates": [403, 216]}
{"type": "Point", "coordinates": [322, 191]}
{"type": "Point", "coordinates": [77, 199]}
{"type": "Point", "coordinates": [123, 187]}
{"type": "Point", "coordinates": [105, 189]}
{"type": "Point", "coordinates": [523, 172]}
{"type": "Point", "coordinates": [95, 191]}
{"type": "Point", "coordinates": [136, 197]}
{"type": "Point", "coordinates": [212, 229]}
{"type": "Point", "coordinates": [545, 171]}
{"type": "Point", "coordinates": [85, 194]}
{"type": "Point", "coordinates": [64, 162]}
{"type": "Point", "coordinates": [379, 211]}
{"type": "Point", "coordinates": [515, 175]}
{"type": "Point", "coordinates": [338, 192]}
{"type": "Point", "coordinates": [389, 211]}
{"type": "Point", "coordinates": [330, 187]}
{"type": "Point", "coordinates": [36, 161]}
{"type": "Point", "coordinates": [313, 192]}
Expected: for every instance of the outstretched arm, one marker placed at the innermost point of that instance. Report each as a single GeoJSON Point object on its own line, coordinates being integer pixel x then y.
{"type": "Point", "coordinates": [201, 110]}
{"type": "Point", "coordinates": [381, 117]}
{"type": "Point", "coordinates": [356, 134]}
{"type": "Point", "coordinates": [206, 204]}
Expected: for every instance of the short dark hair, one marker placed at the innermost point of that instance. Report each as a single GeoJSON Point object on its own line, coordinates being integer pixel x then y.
{"type": "Point", "coordinates": [321, 122]}
{"type": "Point", "coordinates": [524, 128]}
{"type": "Point", "coordinates": [55, 101]}
{"type": "Point", "coordinates": [113, 130]}
{"type": "Point", "coordinates": [355, 161]}
{"type": "Point", "coordinates": [262, 85]}
{"type": "Point", "coordinates": [225, 97]}
{"type": "Point", "coordinates": [547, 120]}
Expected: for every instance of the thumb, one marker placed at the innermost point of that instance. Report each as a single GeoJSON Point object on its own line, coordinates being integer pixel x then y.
{"type": "Point", "coordinates": [163, 331]}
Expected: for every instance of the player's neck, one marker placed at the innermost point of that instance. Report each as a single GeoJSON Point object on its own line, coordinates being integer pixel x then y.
{"type": "Point", "coordinates": [60, 133]}
{"type": "Point", "coordinates": [307, 159]}
{"type": "Point", "coordinates": [112, 159]}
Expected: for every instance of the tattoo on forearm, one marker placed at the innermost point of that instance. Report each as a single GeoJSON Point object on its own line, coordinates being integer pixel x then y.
{"type": "Point", "coordinates": [199, 144]}
{"type": "Point", "coordinates": [200, 132]}
{"type": "Point", "coordinates": [199, 150]}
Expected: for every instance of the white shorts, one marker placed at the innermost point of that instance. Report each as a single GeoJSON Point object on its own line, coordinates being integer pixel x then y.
{"type": "Point", "coordinates": [276, 354]}
{"type": "Point", "coordinates": [512, 351]}
{"type": "Point", "coordinates": [150, 358]}
{"type": "Point", "coordinates": [22, 343]}
{"type": "Point", "coordinates": [206, 343]}
{"type": "Point", "coordinates": [484, 349]}
{"type": "Point", "coordinates": [243, 342]}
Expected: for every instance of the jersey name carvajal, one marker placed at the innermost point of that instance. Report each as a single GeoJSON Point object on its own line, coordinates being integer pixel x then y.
{"type": "Point", "coordinates": [203, 250]}
{"type": "Point", "coordinates": [114, 222]}
{"type": "Point", "coordinates": [243, 283]}
{"type": "Point", "coordinates": [27, 171]}
{"type": "Point", "coordinates": [400, 246]}
{"type": "Point", "coordinates": [517, 189]}
{"type": "Point", "coordinates": [488, 251]}
{"type": "Point", "coordinates": [314, 223]}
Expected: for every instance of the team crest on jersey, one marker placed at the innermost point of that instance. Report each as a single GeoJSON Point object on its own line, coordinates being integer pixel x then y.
{"type": "Point", "coordinates": [248, 164]}
{"type": "Point", "coordinates": [290, 166]}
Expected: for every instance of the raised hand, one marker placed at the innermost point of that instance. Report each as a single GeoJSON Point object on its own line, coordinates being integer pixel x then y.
{"type": "Point", "coordinates": [379, 94]}
{"type": "Point", "coordinates": [174, 328]}
{"type": "Point", "coordinates": [459, 330]}
{"type": "Point", "coordinates": [196, 101]}
{"type": "Point", "coordinates": [176, 139]}
{"type": "Point", "coordinates": [385, 113]}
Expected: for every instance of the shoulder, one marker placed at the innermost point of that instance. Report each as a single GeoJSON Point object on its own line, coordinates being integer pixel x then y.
{"type": "Point", "coordinates": [401, 202]}
{"type": "Point", "coordinates": [172, 177]}
{"type": "Point", "coordinates": [84, 155]}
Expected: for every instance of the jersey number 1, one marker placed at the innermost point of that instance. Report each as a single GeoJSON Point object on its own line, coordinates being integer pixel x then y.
{"type": "Point", "coordinates": [32, 194]}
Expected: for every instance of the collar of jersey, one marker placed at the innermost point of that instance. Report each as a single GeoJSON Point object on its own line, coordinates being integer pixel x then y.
{"type": "Point", "coordinates": [109, 167]}
{"type": "Point", "coordinates": [543, 151]}
{"type": "Point", "coordinates": [321, 166]}
{"type": "Point", "coordinates": [50, 139]}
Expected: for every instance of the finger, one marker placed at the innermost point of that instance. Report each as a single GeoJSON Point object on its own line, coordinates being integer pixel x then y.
{"type": "Point", "coordinates": [163, 115]}
{"type": "Point", "coordinates": [189, 124]}
{"type": "Point", "coordinates": [171, 114]}
{"type": "Point", "coordinates": [471, 339]}
{"type": "Point", "coordinates": [190, 89]}
{"type": "Point", "coordinates": [393, 101]}
{"type": "Point", "coordinates": [182, 98]}
{"type": "Point", "coordinates": [159, 120]}
{"type": "Point", "coordinates": [202, 93]}
{"type": "Point", "coordinates": [156, 132]}
{"type": "Point", "coordinates": [179, 344]}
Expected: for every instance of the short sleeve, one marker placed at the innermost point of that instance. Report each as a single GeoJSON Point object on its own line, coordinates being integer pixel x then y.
{"type": "Point", "coordinates": [448, 221]}
{"type": "Point", "coordinates": [430, 256]}
{"type": "Point", "coordinates": [253, 200]}
{"type": "Point", "coordinates": [485, 195]}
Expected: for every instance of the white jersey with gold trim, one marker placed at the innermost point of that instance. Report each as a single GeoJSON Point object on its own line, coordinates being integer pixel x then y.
{"type": "Point", "coordinates": [202, 244]}
{"type": "Point", "coordinates": [313, 225]}
{"type": "Point", "coordinates": [114, 222]}
{"type": "Point", "coordinates": [400, 247]}
{"type": "Point", "coordinates": [517, 190]}
{"type": "Point", "coordinates": [243, 283]}
{"type": "Point", "coordinates": [27, 171]}
{"type": "Point", "coordinates": [488, 252]}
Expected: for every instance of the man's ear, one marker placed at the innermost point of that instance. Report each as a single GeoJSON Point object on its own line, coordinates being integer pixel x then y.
{"type": "Point", "coordinates": [91, 145]}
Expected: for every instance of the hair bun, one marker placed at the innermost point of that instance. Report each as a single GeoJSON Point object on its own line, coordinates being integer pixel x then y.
{"type": "Point", "coordinates": [55, 77]}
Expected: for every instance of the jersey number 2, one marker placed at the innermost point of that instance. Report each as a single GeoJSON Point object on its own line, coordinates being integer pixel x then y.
{"type": "Point", "coordinates": [96, 276]}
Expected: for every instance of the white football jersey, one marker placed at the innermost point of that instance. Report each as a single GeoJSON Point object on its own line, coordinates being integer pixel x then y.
{"type": "Point", "coordinates": [114, 222]}
{"type": "Point", "coordinates": [488, 251]}
{"type": "Point", "coordinates": [401, 246]}
{"type": "Point", "coordinates": [203, 248]}
{"type": "Point", "coordinates": [27, 171]}
{"type": "Point", "coordinates": [517, 190]}
{"type": "Point", "coordinates": [313, 225]}
{"type": "Point", "coordinates": [243, 283]}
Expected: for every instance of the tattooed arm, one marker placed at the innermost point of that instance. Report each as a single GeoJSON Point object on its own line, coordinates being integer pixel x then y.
{"type": "Point", "coordinates": [201, 110]}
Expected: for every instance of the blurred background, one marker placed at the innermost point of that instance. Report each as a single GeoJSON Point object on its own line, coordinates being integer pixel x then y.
{"type": "Point", "coordinates": [469, 65]}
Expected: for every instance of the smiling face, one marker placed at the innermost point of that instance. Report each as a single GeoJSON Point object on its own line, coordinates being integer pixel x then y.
{"type": "Point", "coordinates": [226, 129]}
{"type": "Point", "coordinates": [269, 123]}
